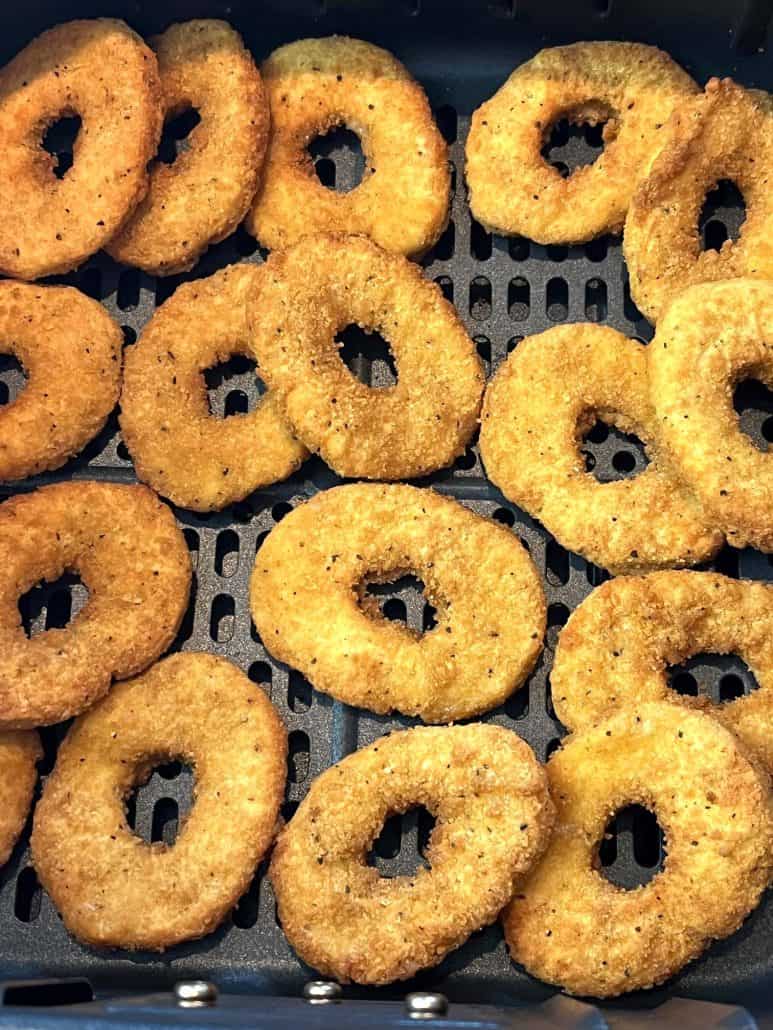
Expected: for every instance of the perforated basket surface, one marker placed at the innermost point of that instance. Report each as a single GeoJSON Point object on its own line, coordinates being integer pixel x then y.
{"type": "Point", "coordinates": [503, 290]}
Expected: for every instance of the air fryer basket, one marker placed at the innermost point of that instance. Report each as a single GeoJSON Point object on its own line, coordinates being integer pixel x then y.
{"type": "Point", "coordinates": [504, 290]}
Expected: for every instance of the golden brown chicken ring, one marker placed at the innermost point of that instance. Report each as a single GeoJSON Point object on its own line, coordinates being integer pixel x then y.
{"type": "Point", "coordinates": [20, 751]}
{"type": "Point", "coordinates": [315, 85]}
{"type": "Point", "coordinates": [550, 391]}
{"type": "Point", "coordinates": [724, 133]}
{"type": "Point", "coordinates": [178, 447]}
{"type": "Point", "coordinates": [308, 602]}
{"type": "Point", "coordinates": [70, 350]}
{"type": "Point", "coordinates": [493, 819]}
{"type": "Point", "coordinates": [630, 87]}
{"type": "Point", "coordinates": [316, 289]}
{"type": "Point", "coordinates": [616, 648]}
{"type": "Point", "coordinates": [126, 546]}
{"type": "Point", "coordinates": [711, 337]}
{"type": "Point", "coordinates": [113, 889]}
{"type": "Point", "coordinates": [569, 925]}
{"type": "Point", "coordinates": [205, 193]}
{"type": "Point", "coordinates": [101, 71]}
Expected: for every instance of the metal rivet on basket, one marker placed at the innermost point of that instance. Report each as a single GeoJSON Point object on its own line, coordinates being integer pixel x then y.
{"type": "Point", "coordinates": [195, 994]}
{"type": "Point", "coordinates": [322, 992]}
{"type": "Point", "coordinates": [426, 1005]}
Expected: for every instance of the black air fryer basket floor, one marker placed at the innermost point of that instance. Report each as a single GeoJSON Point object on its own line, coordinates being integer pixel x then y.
{"type": "Point", "coordinates": [503, 290]}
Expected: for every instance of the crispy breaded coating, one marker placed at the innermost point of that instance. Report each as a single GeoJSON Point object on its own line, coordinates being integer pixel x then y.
{"type": "Point", "coordinates": [570, 926]}
{"type": "Point", "coordinates": [70, 350]}
{"type": "Point", "coordinates": [316, 85]}
{"type": "Point", "coordinates": [177, 445]}
{"type": "Point", "coordinates": [617, 646]}
{"type": "Point", "coordinates": [205, 193]}
{"type": "Point", "coordinates": [710, 338]}
{"type": "Point", "coordinates": [20, 751]}
{"type": "Point", "coordinates": [724, 133]}
{"type": "Point", "coordinates": [112, 888]}
{"type": "Point", "coordinates": [313, 291]}
{"type": "Point", "coordinates": [131, 556]}
{"type": "Point", "coordinates": [101, 71]}
{"type": "Point", "coordinates": [547, 394]}
{"type": "Point", "coordinates": [493, 815]}
{"type": "Point", "coordinates": [630, 88]}
{"type": "Point", "coordinates": [309, 603]}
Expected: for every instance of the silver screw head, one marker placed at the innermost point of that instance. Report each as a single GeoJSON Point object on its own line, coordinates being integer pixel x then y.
{"type": "Point", "coordinates": [195, 994]}
{"type": "Point", "coordinates": [426, 1005]}
{"type": "Point", "coordinates": [322, 992]}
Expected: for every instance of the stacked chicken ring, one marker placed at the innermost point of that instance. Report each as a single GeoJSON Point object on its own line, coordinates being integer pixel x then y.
{"type": "Point", "coordinates": [512, 839]}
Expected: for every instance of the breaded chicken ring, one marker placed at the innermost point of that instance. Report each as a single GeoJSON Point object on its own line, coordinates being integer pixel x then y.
{"type": "Point", "coordinates": [70, 350]}
{"type": "Point", "coordinates": [724, 133]}
{"type": "Point", "coordinates": [494, 816]}
{"type": "Point", "coordinates": [309, 603]}
{"type": "Point", "coordinates": [132, 558]}
{"type": "Point", "coordinates": [569, 925]}
{"type": "Point", "coordinates": [317, 288]}
{"type": "Point", "coordinates": [204, 195]}
{"type": "Point", "coordinates": [316, 85]}
{"type": "Point", "coordinates": [712, 336]}
{"type": "Point", "coordinates": [618, 644]}
{"type": "Point", "coordinates": [630, 87]}
{"type": "Point", "coordinates": [102, 72]}
{"type": "Point", "coordinates": [20, 751]}
{"type": "Point", "coordinates": [114, 890]}
{"type": "Point", "coordinates": [178, 447]}
{"type": "Point", "coordinates": [537, 408]}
